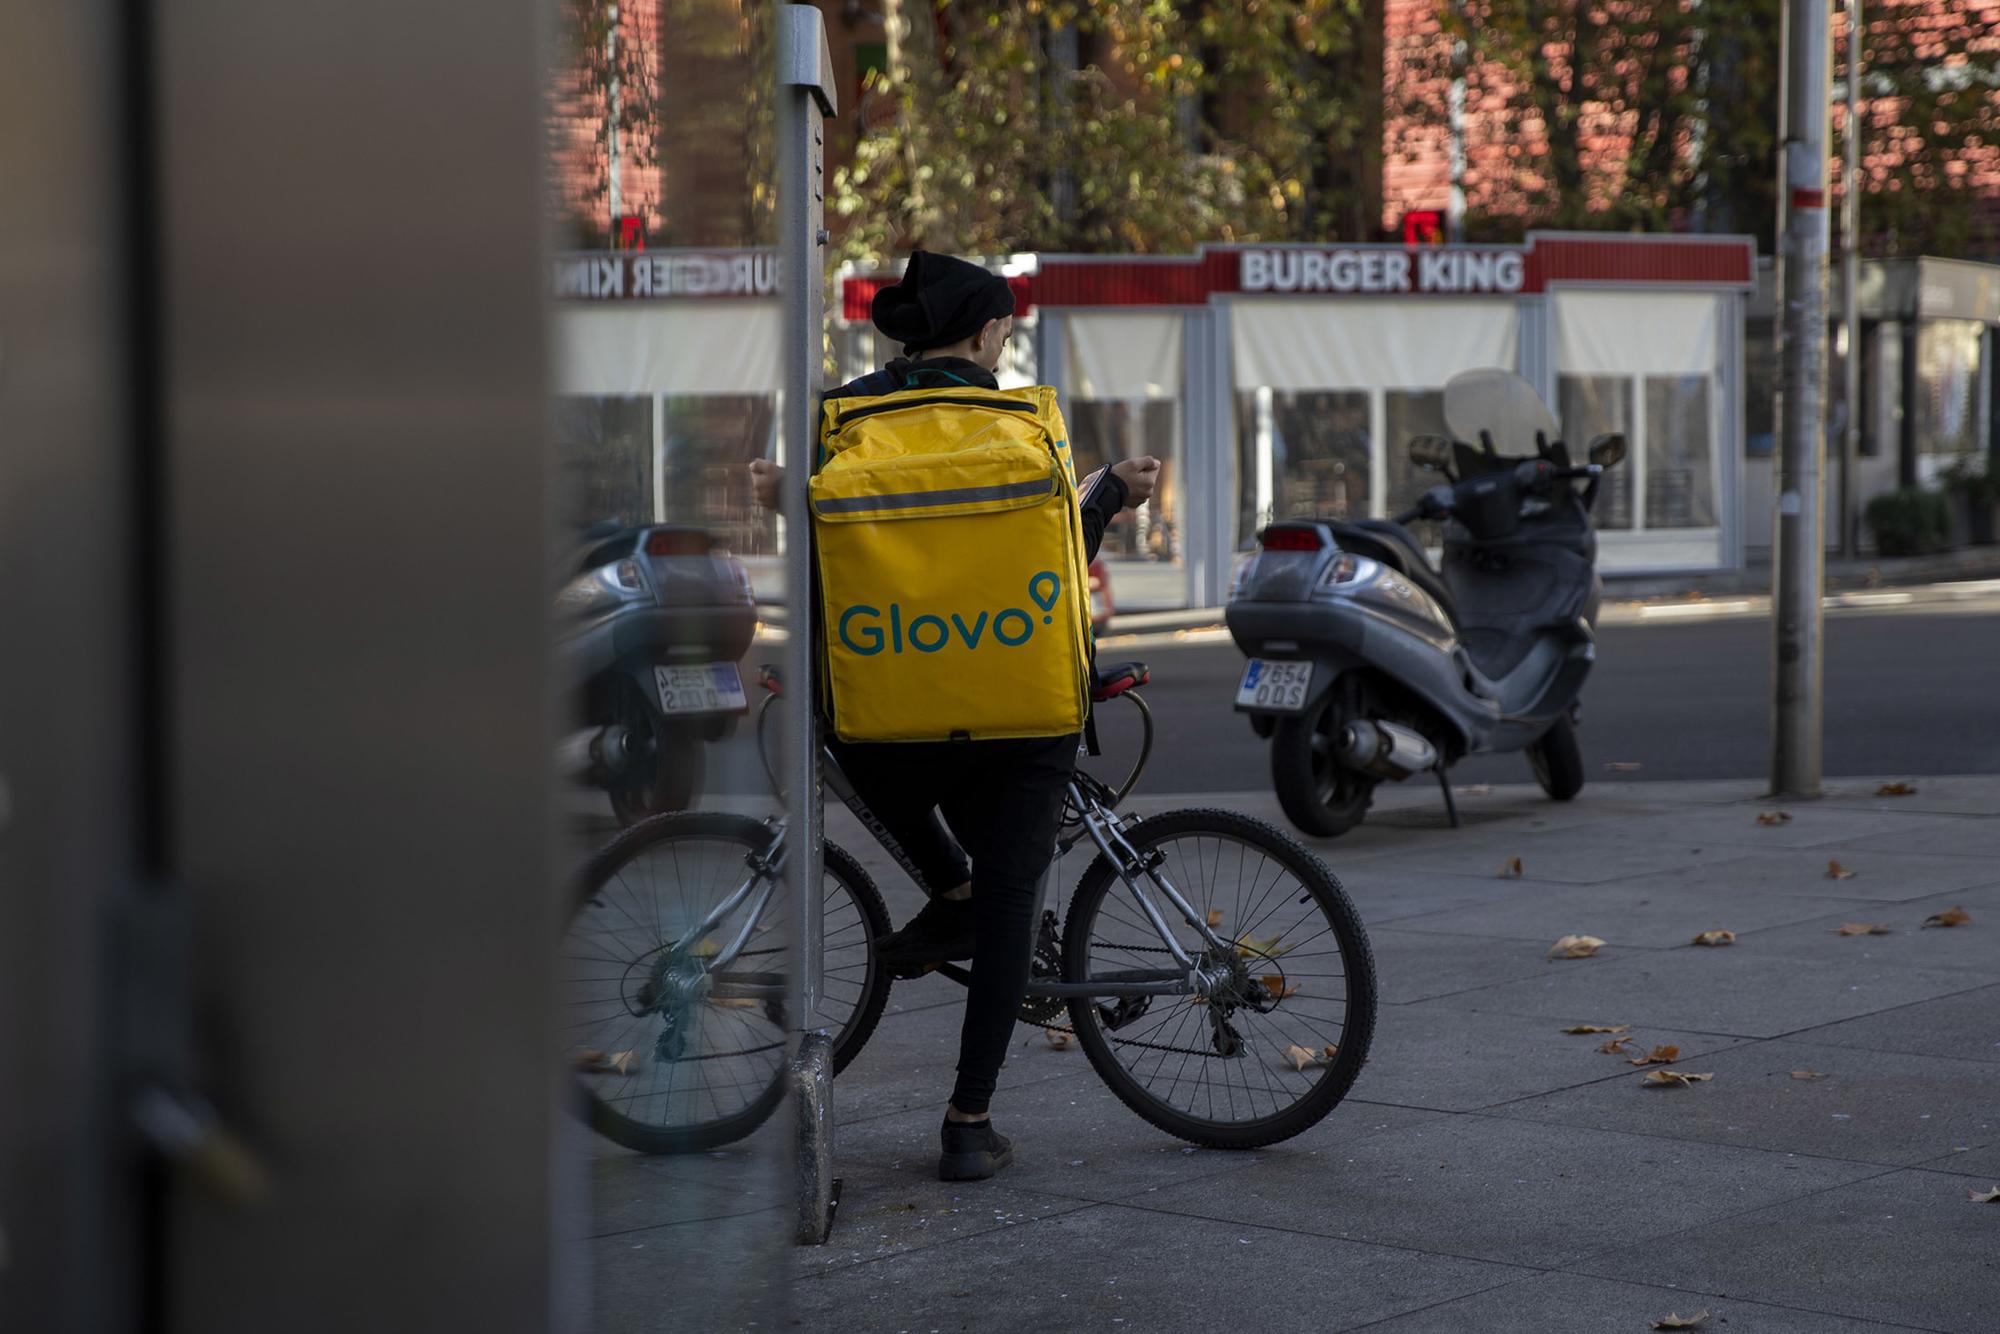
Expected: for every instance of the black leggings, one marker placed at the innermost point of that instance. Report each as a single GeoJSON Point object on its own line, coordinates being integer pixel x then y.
{"type": "Point", "coordinates": [1003, 801]}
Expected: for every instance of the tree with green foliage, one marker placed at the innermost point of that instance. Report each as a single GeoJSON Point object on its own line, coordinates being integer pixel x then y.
{"type": "Point", "coordinates": [1660, 114]}
{"type": "Point", "coordinates": [1122, 125]}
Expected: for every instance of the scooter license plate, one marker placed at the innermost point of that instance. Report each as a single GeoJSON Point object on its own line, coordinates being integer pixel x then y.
{"type": "Point", "coordinates": [1274, 686]}
{"type": "Point", "coordinates": [715, 688]}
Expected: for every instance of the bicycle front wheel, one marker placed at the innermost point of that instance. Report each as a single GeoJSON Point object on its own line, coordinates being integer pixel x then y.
{"type": "Point", "coordinates": [670, 1054]}
{"type": "Point", "coordinates": [1280, 1038]}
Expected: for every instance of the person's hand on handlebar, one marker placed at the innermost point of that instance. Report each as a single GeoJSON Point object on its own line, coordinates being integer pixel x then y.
{"type": "Point", "coordinates": [1140, 476]}
{"type": "Point", "coordinates": [765, 479]}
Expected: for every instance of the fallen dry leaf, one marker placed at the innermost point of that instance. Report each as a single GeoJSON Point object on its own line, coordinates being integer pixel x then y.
{"type": "Point", "coordinates": [1861, 929]}
{"type": "Point", "coordinates": [1215, 917]}
{"type": "Point", "coordinates": [1949, 917]}
{"type": "Point", "coordinates": [1510, 869]}
{"type": "Point", "coordinates": [1275, 984]}
{"type": "Point", "coordinates": [1984, 1196]}
{"type": "Point", "coordinates": [1774, 817]}
{"type": "Point", "coordinates": [1623, 766]}
{"type": "Point", "coordinates": [1659, 1056]}
{"type": "Point", "coordinates": [600, 1063]}
{"type": "Point", "coordinates": [1266, 947]}
{"type": "Point", "coordinates": [1807, 1074]}
{"type": "Point", "coordinates": [1574, 947]}
{"type": "Point", "coordinates": [1616, 1046]}
{"type": "Point", "coordinates": [1682, 1321]}
{"type": "Point", "coordinates": [1895, 790]}
{"type": "Point", "coordinates": [1057, 1038]}
{"type": "Point", "coordinates": [1714, 938]}
{"type": "Point", "coordinates": [1664, 1079]}
{"type": "Point", "coordinates": [1835, 871]}
{"type": "Point", "coordinates": [1598, 1028]}
{"type": "Point", "coordinates": [1301, 1057]}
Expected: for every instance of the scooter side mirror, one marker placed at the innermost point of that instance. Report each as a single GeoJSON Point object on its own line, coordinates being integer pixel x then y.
{"type": "Point", "coordinates": [1608, 451]}
{"type": "Point", "coordinates": [1430, 451]}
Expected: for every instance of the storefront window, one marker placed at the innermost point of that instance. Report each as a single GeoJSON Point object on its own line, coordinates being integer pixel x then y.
{"type": "Point", "coordinates": [1590, 406]}
{"type": "Point", "coordinates": [1143, 546]}
{"type": "Point", "coordinates": [1407, 413]}
{"type": "Point", "coordinates": [1300, 454]}
{"type": "Point", "coordinates": [1680, 476]}
{"type": "Point", "coordinates": [1947, 403]}
{"type": "Point", "coordinates": [1760, 389]}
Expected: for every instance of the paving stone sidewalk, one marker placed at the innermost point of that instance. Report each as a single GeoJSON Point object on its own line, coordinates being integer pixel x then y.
{"type": "Point", "coordinates": [1488, 1172]}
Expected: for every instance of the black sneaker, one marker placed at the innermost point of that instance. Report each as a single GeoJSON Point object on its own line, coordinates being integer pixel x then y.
{"type": "Point", "coordinates": [941, 932]}
{"type": "Point", "coordinates": [973, 1151]}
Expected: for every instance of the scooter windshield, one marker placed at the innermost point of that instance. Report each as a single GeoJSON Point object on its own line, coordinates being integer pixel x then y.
{"type": "Point", "coordinates": [1501, 403]}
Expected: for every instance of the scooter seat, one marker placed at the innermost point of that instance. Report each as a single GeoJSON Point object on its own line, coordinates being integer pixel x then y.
{"type": "Point", "coordinates": [1392, 544]}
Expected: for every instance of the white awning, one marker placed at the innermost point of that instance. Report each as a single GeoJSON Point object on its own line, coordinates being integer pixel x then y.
{"type": "Point", "coordinates": [1125, 356]}
{"type": "Point", "coordinates": [1636, 333]}
{"type": "Point", "coordinates": [1414, 344]}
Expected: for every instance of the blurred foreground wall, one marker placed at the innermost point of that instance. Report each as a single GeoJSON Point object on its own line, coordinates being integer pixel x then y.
{"type": "Point", "coordinates": [274, 717]}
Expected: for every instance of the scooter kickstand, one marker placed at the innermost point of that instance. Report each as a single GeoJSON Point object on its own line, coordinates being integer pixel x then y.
{"type": "Point", "coordinates": [1444, 786]}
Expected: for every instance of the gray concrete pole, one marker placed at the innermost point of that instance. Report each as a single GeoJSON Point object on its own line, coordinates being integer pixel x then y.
{"type": "Point", "coordinates": [1850, 267]}
{"type": "Point", "coordinates": [805, 74]}
{"type": "Point", "coordinates": [1800, 549]}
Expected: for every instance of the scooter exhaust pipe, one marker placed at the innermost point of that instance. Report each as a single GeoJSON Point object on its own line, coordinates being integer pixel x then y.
{"type": "Point", "coordinates": [595, 754]}
{"type": "Point", "coordinates": [1386, 750]}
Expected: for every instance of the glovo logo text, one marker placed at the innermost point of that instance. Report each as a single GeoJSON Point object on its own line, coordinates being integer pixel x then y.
{"type": "Point", "coordinates": [867, 631]}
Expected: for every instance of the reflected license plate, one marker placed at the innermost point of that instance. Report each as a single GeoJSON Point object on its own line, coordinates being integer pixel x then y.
{"type": "Point", "coordinates": [1280, 687]}
{"type": "Point", "coordinates": [715, 688]}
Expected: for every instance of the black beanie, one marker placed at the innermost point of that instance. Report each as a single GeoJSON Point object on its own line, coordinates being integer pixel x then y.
{"type": "Point", "coordinates": [940, 301]}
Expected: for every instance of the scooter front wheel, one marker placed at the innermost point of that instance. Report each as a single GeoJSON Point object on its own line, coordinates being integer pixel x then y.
{"type": "Point", "coordinates": [1558, 761]}
{"type": "Point", "coordinates": [1319, 794]}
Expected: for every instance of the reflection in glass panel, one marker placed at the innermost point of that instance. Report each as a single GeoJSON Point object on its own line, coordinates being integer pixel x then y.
{"type": "Point", "coordinates": [707, 443]}
{"type": "Point", "coordinates": [1142, 548]}
{"type": "Point", "coordinates": [1406, 413]}
{"type": "Point", "coordinates": [1947, 401]}
{"type": "Point", "coordinates": [1680, 473]}
{"type": "Point", "coordinates": [1300, 454]}
{"type": "Point", "coordinates": [604, 450]}
{"type": "Point", "coordinates": [1590, 406]}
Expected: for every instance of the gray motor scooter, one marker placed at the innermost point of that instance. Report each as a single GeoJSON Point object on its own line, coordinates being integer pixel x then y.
{"type": "Point", "coordinates": [1367, 664]}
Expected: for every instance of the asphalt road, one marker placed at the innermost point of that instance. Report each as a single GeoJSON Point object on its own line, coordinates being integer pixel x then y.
{"type": "Point", "coordinates": [1910, 691]}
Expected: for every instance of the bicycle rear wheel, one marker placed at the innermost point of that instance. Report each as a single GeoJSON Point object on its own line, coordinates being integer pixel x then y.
{"type": "Point", "coordinates": [661, 1075]}
{"type": "Point", "coordinates": [1276, 1046]}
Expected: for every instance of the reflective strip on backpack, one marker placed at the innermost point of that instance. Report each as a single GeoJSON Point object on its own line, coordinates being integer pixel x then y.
{"type": "Point", "coordinates": [964, 495]}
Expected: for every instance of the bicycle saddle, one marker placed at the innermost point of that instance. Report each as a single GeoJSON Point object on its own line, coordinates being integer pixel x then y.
{"type": "Point", "coordinates": [1109, 680]}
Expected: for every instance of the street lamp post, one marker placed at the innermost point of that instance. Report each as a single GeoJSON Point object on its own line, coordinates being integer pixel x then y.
{"type": "Point", "coordinates": [1800, 549]}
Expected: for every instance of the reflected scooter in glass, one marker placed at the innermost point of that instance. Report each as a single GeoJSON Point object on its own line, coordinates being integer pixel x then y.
{"type": "Point", "coordinates": [651, 627]}
{"type": "Point", "coordinates": [1367, 665]}
{"type": "Point", "coordinates": [1210, 967]}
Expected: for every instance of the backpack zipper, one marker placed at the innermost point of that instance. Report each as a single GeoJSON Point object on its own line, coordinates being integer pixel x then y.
{"type": "Point", "coordinates": [955, 400]}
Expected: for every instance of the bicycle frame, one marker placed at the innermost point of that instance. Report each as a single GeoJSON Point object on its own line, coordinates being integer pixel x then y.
{"type": "Point", "coordinates": [1093, 803]}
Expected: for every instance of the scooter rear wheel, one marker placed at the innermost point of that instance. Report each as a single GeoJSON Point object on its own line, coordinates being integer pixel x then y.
{"type": "Point", "coordinates": [1319, 794]}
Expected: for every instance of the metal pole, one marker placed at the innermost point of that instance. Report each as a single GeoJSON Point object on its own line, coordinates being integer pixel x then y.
{"type": "Point", "coordinates": [1800, 549]}
{"type": "Point", "coordinates": [1850, 268]}
{"type": "Point", "coordinates": [805, 72]}
{"type": "Point", "coordinates": [614, 110]}
{"type": "Point", "coordinates": [1455, 122]}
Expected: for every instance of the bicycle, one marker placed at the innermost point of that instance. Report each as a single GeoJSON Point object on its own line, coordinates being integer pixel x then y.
{"type": "Point", "coordinates": [680, 1042]}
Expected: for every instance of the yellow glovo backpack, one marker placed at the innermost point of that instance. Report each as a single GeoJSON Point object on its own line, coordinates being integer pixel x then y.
{"type": "Point", "coordinates": [954, 601]}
